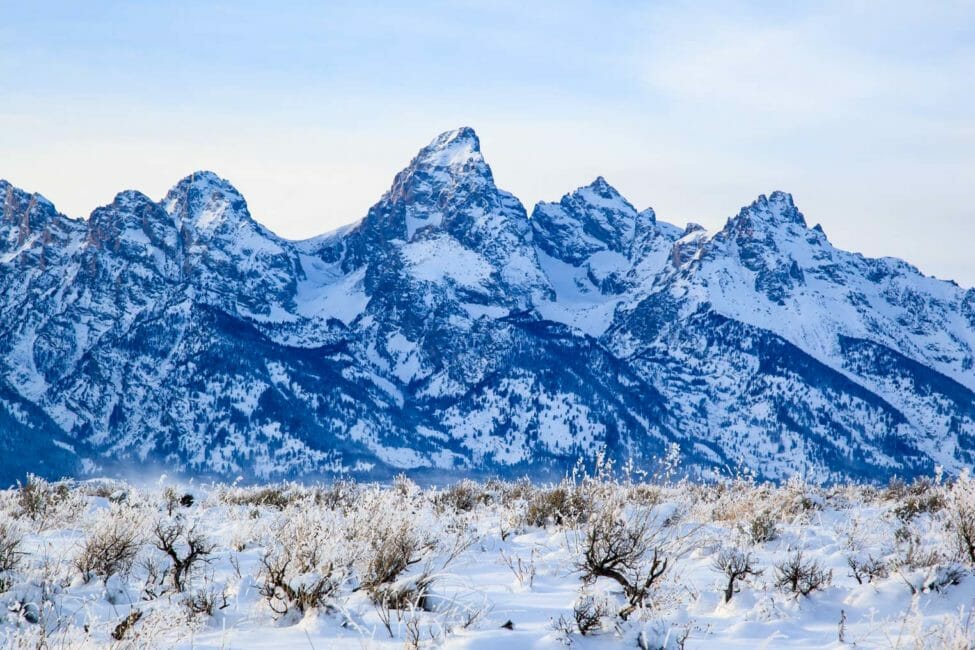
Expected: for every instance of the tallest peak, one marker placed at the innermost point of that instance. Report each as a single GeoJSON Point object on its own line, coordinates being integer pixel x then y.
{"type": "Point", "coordinates": [464, 134]}
{"type": "Point", "coordinates": [452, 148]}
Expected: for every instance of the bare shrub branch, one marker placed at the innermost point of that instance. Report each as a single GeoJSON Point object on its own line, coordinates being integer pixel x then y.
{"type": "Point", "coordinates": [627, 550]}
{"type": "Point", "coordinates": [736, 565]}
{"type": "Point", "coordinates": [801, 577]}
{"type": "Point", "coordinates": [111, 548]}
{"type": "Point", "coordinates": [185, 546]}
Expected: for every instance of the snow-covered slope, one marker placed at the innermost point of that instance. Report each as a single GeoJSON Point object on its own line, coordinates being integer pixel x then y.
{"type": "Point", "coordinates": [597, 251]}
{"type": "Point", "coordinates": [449, 331]}
{"type": "Point", "coordinates": [791, 354]}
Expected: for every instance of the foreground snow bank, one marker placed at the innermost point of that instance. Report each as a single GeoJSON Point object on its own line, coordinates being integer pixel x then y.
{"type": "Point", "coordinates": [592, 562]}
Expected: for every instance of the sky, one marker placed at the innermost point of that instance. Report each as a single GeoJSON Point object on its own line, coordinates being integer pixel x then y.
{"type": "Point", "coordinates": [864, 111]}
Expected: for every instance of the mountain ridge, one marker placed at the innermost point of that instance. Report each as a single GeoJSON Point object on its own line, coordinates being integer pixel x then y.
{"type": "Point", "coordinates": [450, 330]}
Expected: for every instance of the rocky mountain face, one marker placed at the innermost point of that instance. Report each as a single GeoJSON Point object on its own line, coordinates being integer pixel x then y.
{"type": "Point", "coordinates": [450, 333]}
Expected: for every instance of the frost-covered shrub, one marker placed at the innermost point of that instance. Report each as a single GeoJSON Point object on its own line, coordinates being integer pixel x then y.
{"type": "Point", "coordinates": [944, 576]}
{"type": "Point", "coordinates": [629, 548]}
{"type": "Point", "coordinates": [47, 503]}
{"type": "Point", "coordinates": [337, 495]}
{"type": "Point", "coordinates": [953, 632]}
{"type": "Point", "coordinates": [462, 496]}
{"type": "Point", "coordinates": [185, 548]}
{"type": "Point", "coordinates": [961, 522]}
{"type": "Point", "coordinates": [895, 490]}
{"type": "Point", "coordinates": [914, 504]}
{"type": "Point", "coordinates": [36, 496]}
{"type": "Point", "coordinates": [405, 486]}
{"type": "Point", "coordinates": [286, 588]}
{"type": "Point", "coordinates": [960, 506]}
{"type": "Point", "coordinates": [923, 495]}
{"type": "Point", "coordinates": [561, 505]}
{"type": "Point", "coordinates": [306, 563]}
{"type": "Point", "coordinates": [11, 553]}
{"type": "Point", "coordinates": [738, 502]}
{"type": "Point", "coordinates": [511, 493]}
{"type": "Point", "coordinates": [866, 568]}
{"type": "Point", "coordinates": [848, 495]}
{"type": "Point", "coordinates": [206, 601]}
{"type": "Point", "coordinates": [401, 545]}
{"type": "Point", "coordinates": [111, 546]}
{"type": "Point", "coordinates": [736, 565]}
{"type": "Point", "coordinates": [645, 495]}
{"type": "Point", "coordinates": [911, 551]}
{"type": "Point", "coordinates": [936, 578]}
{"type": "Point", "coordinates": [390, 541]}
{"type": "Point", "coordinates": [390, 553]}
{"type": "Point", "coordinates": [589, 612]}
{"type": "Point", "coordinates": [799, 498]}
{"type": "Point", "coordinates": [762, 528]}
{"type": "Point", "coordinates": [277, 496]}
{"type": "Point", "coordinates": [662, 635]}
{"type": "Point", "coordinates": [800, 576]}
{"type": "Point", "coordinates": [246, 527]}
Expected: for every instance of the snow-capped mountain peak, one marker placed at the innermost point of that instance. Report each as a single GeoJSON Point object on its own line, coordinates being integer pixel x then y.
{"type": "Point", "coordinates": [456, 149]}
{"type": "Point", "coordinates": [447, 186]}
{"type": "Point", "coordinates": [452, 161]}
{"type": "Point", "coordinates": [601, 192]}
{"type": "Point", "coordinates": [134, 218]}
{"type": "Point", "coordinates": [22, 214]}
{"type": "Point", "coordinates": [589, 220]}
{"type": "Point", "coordinates": [204, 202]}
{"type": "Point", "coordinates": [776, 209]}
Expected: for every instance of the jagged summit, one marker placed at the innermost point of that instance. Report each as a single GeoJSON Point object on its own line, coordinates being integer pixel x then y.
{"type": "Point", "coordinates": [448, 187]}
{"type": "Point", "coordinates": [203, 179]}
{"type": "Point", "coordinates": [601, 194]}
{"type": "Point", "coordinates": [452, 159]}
{"type": "Point", "coordinates": [601, 187]}
{"type": "Point", "coordinates": [22, 215]}
{"type": "Point", "coordinates": [590, 219]}
{"type": "Point", "coordinates": [129, 213]}
{"type": "Point", "coordinates": [206, 201]}
{"type": "Point", "coordinates": [203, 183]}
{"type": "Point", "coordinates": [14, 199]}
{"type": "Point", "coordinates": [452, 149]}
{"type": "Point", "coordinates": [7, 186]}
{"type": "Point", "coordinates": [776, 208]}
{"type": "Point", "coordinates": [126, 197]}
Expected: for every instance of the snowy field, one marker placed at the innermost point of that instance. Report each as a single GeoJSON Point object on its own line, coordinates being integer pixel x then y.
{"type": "Point", "coordinates": [591, 562]}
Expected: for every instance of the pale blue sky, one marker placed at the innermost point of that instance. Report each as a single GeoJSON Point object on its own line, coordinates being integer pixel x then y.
{"type": "Point", "coordinates": [865, 111]}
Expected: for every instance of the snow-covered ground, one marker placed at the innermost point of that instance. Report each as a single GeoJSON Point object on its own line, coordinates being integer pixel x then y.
{"type": "Point", "coordinates": [493, 565]}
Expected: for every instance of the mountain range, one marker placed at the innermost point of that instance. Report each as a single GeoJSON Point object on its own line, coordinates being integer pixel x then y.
{"type": "Point", "coordinates": [450, 332]}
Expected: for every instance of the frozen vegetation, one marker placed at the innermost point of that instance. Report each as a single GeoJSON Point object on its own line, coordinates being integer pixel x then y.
{"type": "Point", "coordinates": [604, 559]}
